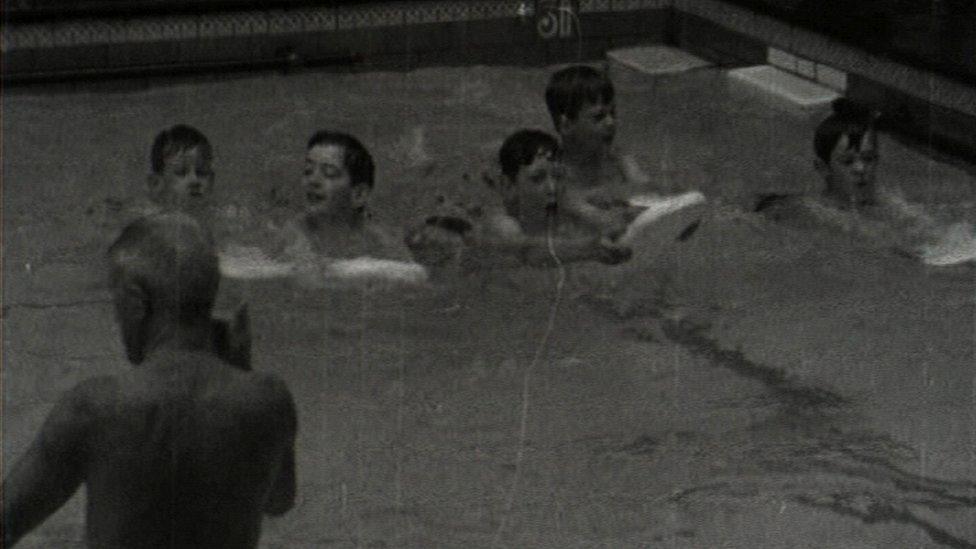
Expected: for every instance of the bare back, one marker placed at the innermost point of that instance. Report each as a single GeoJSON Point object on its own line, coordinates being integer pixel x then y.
{"type": "Point", "coordinates": [182, 451]}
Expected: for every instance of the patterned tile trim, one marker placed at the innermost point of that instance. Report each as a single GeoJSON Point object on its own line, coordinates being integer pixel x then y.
{"type": "Point", "coordinates": [590, 6]}
{"type": "Point", "coordinates": [247, 23]}
{"type": "Point", "coordinates": [372, 15]}
{"type": "Point", "coordinates": [633, 5]}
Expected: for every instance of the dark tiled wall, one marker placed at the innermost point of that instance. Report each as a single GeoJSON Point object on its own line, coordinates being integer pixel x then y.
{"type": "Point", "coordinates": [928, 34]}
{"type": "Point", "coordinates": [402, 34]}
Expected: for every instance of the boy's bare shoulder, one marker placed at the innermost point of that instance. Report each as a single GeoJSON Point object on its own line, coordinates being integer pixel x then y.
{"type": "Point", "coordinates": [499, 223]}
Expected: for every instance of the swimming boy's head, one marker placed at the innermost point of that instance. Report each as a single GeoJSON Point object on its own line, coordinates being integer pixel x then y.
{"type": "Point", "coordinates": [182, 177]}
{"type": "Point", "coordinates": [164, 274]}
{"type": "Point", "coordinates": [338, 174]}
{"type": "Point", "coordinates": [581, 103]}
{"type": "Point", "coordinates": [846, 145]}
{"type": "Point", "coordinates": [532, 173]}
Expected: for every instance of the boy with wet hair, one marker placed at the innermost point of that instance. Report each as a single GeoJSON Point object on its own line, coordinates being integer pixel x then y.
{"type": "Point", "coordinates": [531, 229]}
{"type": "Point", "coordinates": [846, 156]}
{"type": "Point", "coordinates": [845, 145]}
{"type": "Point", "coordinates": [182, 176]}
{"type": "Point", "coordinates": [337, 180]}
{"type": "Point", "coordinates": [182, 179]}
{"type": "Point", "coordinates": [581, 103]}
{"type": "Point", "coordinates": [182, 451]}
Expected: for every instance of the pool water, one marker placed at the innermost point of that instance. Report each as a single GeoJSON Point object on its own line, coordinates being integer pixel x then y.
{"type": "Point", "coordinates": [755, 385]}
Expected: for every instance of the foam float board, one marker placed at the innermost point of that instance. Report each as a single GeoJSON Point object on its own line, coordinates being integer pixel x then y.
{"type": "Point", "coordinates": [777, 83]}
{"type": "Point", "coordinates": [656, 59]}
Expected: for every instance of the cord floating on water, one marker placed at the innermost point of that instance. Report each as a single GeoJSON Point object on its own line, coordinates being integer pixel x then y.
{"type": "Point", "coordinates": [543, 343]}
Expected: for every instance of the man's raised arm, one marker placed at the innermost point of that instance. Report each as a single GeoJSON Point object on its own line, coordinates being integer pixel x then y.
{"type": "Point", "coordinates": [51, 470]}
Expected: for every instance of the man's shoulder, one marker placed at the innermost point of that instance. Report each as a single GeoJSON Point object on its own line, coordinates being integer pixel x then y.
{"type": "Point", "coordinates": [86, 403]}
{"type": "Point", "coordinates": [95, 391]}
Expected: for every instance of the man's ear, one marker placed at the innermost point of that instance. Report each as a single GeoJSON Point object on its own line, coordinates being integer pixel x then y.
{"type": "Point", "coordinates": [132, 307]}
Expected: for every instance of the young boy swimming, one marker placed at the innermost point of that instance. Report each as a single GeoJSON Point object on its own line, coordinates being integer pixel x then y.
{"type": "Point", "coordinates": [581, 103]}
{"type": "Point", "coordinates": [846, 157]}
{"type": "Point", "coordinates": [530, 229]}
{"type": "Point", "coordinates": [337, 180]}
{"type": "Point", "coordinates": [182, 176]}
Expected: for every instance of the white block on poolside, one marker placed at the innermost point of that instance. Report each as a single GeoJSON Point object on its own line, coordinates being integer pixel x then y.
{"type": "Point", "coordinates": [780, 58]}
{"type": "Point", "coordinates": [779, 83]}
{"type": "Point", "coordinates": [831, 77]}
{"type": "Point", "coordinates": [657, 59]}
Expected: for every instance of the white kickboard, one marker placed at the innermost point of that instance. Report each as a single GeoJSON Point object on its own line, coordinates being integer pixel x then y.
{"type": "Point", "coordinates": [664, 220]}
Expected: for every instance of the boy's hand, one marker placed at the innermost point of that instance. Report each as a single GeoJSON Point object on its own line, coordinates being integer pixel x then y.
{"type": "Point", "coordinates": [611, 253]}
{"type": "Point", "coordinates": [432, 245]}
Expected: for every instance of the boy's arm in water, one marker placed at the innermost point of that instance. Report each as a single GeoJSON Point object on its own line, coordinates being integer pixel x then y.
{"type": "Point", "coordinates": [501, 243]}
{"type": "Point", "coordinates": [52, 469]}
{"type": "Point", "coordinates": [610, 222]}
{"type": "Point", "coordinates": [540, 251]}
{"type": "Point", "coordinates": [281, 496]}
{"type": "Point", "coordinates": [384, 244]}
{"type": "Point", "coordinates": [631, 170]}
{"type": "Point", "coordinates": [290, 242]}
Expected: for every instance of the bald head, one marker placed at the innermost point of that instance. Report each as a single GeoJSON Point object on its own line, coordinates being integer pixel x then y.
{"type": "Point", "coordinates": [163, 270]}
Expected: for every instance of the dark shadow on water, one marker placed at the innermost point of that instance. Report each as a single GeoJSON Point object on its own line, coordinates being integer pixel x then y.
{"type": "Point", "coordinates": [693, 337]}
{"type": "Point", "coordinates": [874, 512]}
{"type": "Point", "coordinates": [819, 446]}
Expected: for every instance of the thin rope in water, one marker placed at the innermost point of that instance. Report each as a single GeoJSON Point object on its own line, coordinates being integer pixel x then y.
{"type": "Point", "coordinates": [543, 343]}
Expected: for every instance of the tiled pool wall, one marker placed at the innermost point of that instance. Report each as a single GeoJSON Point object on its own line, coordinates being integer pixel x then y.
{"type": "Point", "coordinates": [404, 35]}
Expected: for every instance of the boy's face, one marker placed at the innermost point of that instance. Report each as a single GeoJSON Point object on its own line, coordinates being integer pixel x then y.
{"type": "Point", "coordinates": [327, 183]}
{"type": "Point", "coordinates": [538, 186]}
{"type": "Point", "coordinates": [594, 127]}
{"type": "Point", "coordinates": [185, 182]}
{"type": "Point", "coordinates": [850, 173]}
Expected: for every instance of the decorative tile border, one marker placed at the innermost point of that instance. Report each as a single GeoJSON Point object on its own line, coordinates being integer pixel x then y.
{"type": "Point", "coordinates": [589, 6]}
{"type": "Point", "coordinates": [814, 55]}
{"type": "Point", "coordinates": [626, 5]}
{"type": "Point", "coordinates": [284, 21]}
